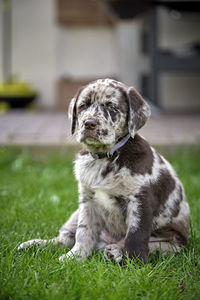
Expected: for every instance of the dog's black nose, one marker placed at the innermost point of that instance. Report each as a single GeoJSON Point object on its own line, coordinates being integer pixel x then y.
{"type": "Point", "coordinates": [90, 124]}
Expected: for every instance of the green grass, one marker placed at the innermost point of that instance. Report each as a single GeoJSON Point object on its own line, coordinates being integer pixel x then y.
{"type": "Point", "coordinates": [35, 200]}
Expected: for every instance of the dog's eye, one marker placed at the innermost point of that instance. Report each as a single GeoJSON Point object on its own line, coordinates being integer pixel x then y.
{"type": "Point", "coordinates": [83, 106]}
{"type": "Point", "coordinates": [111, 106]}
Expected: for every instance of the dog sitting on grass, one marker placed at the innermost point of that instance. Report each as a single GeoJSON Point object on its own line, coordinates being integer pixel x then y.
{"type": "Point", "coordinates": [130, 198]}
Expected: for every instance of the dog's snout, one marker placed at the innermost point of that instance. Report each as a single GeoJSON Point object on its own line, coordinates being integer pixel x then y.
{"type": "Point", "coordinates": [90, 124]}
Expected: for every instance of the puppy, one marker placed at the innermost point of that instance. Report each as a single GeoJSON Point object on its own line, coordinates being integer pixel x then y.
{"type": "Point", "coordinates": [130, 198]}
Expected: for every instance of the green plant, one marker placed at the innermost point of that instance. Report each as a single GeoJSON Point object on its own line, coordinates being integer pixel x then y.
{"type": "Point", "coordinates": [16, 88]}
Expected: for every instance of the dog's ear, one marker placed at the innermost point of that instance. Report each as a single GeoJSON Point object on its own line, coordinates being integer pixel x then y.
{"type": "Point", "coordinates": [72, 114]}
{"type": "Point", "coordinates": [72, 111]}
{"type": "Point", "coordinates": [139, 111]}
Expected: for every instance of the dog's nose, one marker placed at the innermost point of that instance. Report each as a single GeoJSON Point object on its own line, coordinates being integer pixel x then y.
{"type": "Point", "coordinates": [90, 124]}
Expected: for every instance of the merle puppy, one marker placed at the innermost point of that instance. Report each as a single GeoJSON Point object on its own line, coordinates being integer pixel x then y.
{"type": "Point", "coordinates": [130, 198]}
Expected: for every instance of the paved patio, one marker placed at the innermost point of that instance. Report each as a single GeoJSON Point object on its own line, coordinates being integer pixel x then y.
{"type": "Point", "coordinates": [53, 129]}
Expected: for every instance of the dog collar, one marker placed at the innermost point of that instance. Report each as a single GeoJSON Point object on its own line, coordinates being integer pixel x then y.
{"type": "Point", "coordinates": [100, 155]}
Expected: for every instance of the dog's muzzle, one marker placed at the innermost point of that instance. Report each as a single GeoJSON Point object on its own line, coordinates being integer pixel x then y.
{"type": "Point", "coordinates": [89, 131]}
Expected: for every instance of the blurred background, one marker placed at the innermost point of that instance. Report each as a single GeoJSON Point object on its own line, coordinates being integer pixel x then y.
{"type": "Point", "coordinates": [49, 48]}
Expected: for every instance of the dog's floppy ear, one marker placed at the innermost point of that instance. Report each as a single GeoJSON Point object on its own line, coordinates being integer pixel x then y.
{"type": "Point", "coordinates": [72, 111]}
{"type": "Point", "coordinates": [139, 111]}
{"type": "Point", "coordinates": [72, 114]}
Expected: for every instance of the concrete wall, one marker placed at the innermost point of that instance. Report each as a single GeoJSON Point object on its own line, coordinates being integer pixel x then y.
{"type": "Point", "coordinates": [1, 45]}
{"type": "Point", "coordinates": [86, 52]}
{"type": "Point", "coordinates": [132, 62]}
{"type": "Point", "coordinates": [180, 92]}
{"type": "Point", "coordinates": [33, 45]}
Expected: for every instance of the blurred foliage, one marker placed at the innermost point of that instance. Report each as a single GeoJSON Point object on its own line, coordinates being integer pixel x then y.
{"type": "Point", "coordinates": [15, 88]}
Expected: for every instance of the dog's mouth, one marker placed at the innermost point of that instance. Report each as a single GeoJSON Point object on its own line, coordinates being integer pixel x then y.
{"type": "Point", "coordinates": [89, 138]}
{"type": "Point", "coordinates": [91, 141]}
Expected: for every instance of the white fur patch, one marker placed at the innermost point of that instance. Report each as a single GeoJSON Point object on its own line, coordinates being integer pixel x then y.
{"type": "Point", "coordinates": [104, 200]}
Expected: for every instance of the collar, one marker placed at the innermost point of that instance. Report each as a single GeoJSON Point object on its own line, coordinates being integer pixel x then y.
{"type": "Point", "coordinates": [122, 142]}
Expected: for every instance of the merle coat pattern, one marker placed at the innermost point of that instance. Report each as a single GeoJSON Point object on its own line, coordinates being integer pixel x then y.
{"type": "Point", "coordinates": [130, 203]}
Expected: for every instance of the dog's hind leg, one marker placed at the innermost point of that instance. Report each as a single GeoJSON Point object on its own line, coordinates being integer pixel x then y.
{"type": "Point", "coordinates": [163, 245]}
{"type": "Point", "coordinates": [66, 237]}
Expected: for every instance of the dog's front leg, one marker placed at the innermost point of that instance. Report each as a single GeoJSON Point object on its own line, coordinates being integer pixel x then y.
{"type": "Point", "coordinates": [139, 226]}
{"type": "Point", "coordinates": [87, 232]}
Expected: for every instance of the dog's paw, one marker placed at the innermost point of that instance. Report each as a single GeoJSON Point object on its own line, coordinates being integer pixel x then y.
{"type": "Point", "coordinates": [114, 252]}
{"type": "Point", "coordinates": [77, 254]}
{"type": "Point", "coordinates": [31, 243]}
{"type": "Point", "coordinates": [66, 257]}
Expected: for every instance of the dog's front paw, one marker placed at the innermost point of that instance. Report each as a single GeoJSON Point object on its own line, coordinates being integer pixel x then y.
{"type": "Point", "coordinates": [31, 243]}
{"type": "Point", "coordinates": [114, 252]}
{"type": "Point", "coordinates": [78, 254]}
{"type": "Point", "coordinates": [67, 256]}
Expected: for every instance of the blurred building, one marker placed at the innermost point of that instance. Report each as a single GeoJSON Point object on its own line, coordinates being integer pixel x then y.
{"type": "Point", "coordinates": [58, 45]}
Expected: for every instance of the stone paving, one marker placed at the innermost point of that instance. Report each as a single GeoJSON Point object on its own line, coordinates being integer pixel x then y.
{"type": "Point", "coordinates": [53, 129]}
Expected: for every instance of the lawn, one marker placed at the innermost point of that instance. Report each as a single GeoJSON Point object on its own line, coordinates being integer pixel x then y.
{"type": "Point", "coordinates": [37, 197]}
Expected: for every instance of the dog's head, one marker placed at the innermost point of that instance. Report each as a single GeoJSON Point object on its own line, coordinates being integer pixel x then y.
{"type": "Point", "coordinates": [104, 111]}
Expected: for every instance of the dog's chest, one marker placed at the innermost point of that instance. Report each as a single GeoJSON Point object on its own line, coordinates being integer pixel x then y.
{"type": "Point", "coordinates": [110, 212]}
{"type": "Point", "coordinates": [89, 172]}
{"type": "Point", "coordinates": [105, 201]}
{"type": "Point", "coordinates": [110, 192]}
